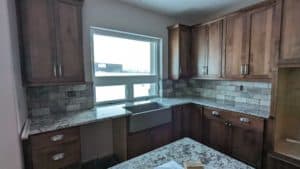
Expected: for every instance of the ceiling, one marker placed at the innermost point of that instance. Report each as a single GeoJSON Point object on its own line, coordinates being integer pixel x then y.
{"type": "Point", "coordinates": [191, 9]}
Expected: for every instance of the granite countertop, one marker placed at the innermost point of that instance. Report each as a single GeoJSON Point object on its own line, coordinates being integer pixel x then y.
{"type": "Point", "coordinates": [46, 123]}
{"type": "Point", "coordinates": [180, 151]}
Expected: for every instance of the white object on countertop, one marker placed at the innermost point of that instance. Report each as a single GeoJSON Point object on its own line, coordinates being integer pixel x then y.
{"type": "Point", "coordinates": [169, 165]}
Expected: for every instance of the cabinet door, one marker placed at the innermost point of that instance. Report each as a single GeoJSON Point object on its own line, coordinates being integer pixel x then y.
{"type": "Point", "coordinates": [247, 145]}
{"type": "Point", "coordinates": [177, 122]}
{"type": "Point", "coordinates": [237, 45]}
{"type": "Point", "coordinates": [138, 143]}
{"type": "Point", "coordinates": [199, 50]}
{"type": "Point", "coordinates": [38, 41]}
{"type": "Point", "coordinates": [290, 34]}
{"type": "Point", "coordinates": [214, 62]}
{"type": "Point", "coordinates": [195, 123]}
{"type": "Point", "coordinates": [161, 135]}
{"type": "Point", "coordinates": [261, 43]}
{"type": "Point", "coordinates": [69, 43]}
{"type": "Point", "coordinates": [215, 133]}
{"type": "Point", "coordinates": [185, 52]}
{"type": "Point", "coordinates": [173, 65]}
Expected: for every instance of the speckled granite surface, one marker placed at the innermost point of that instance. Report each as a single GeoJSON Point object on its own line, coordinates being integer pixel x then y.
{"type": "Point", "coordinates": [180, 151]}
{"type": "Point", "coordinates": [53, 122]}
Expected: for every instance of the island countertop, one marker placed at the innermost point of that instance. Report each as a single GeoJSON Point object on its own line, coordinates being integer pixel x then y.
{"type": "Point", "coordinates": [181, 151]}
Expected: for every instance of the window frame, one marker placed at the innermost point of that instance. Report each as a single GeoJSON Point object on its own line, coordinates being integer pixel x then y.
{"type": "Point", "coordinates": [128, 80]}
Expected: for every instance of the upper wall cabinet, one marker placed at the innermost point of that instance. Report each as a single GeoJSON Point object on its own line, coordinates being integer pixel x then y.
{"type": "Point", "coordinates": [207, 43]}
{"type": "Point", "coordinates": [52, 41]}
{"type": "Point", "coordinates": [250, 44]}
{"type": "Point", "coordinates": [236, 45]}
{"type": "Point", "coordinates": [289, 33]}
{"type": "Point", "coordinates": [179, 51]}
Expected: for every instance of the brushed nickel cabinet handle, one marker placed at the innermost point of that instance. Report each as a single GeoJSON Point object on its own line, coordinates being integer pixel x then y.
{"type": "Point", "coordinates": [244, 120]}
{"type": "Point", "coordinates": [54, 70]}
{"type": "Point", "coordinates": [242, 69]}
{"type": "Point", "coordinates": [215, 113]}
{"type": "Point", "coordinates": [60, 70]}
{"type": "Point", "coordinates": [58, 137]}
{"type": "Point", "coordinates": [58, 156]}
{"type": "Point", "coordinates": [246, 69]}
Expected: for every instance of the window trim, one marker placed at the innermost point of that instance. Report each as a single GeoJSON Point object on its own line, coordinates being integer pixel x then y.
{"type": "Point", "coordinates": [130, 80]}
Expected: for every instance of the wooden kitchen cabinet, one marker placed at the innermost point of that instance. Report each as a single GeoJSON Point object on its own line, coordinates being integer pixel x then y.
{"type": "Point", "coordinates": [69, 40]}
{"type": "Point", "coordinates": [179, 51]}
{"type": "Point", "coordinates": [289, 32]}
{"type": "Point", "coordinates": [199, 50]}
{"type": "Point", "coordinates": [207, 42]}
{"type": "Point", "coordinates": [238, 135]}
{"type": "Point", "coordinates": [161, 135]}
{"type": "Point", "coordinates": [144, 141]}
{"type": "Point", "coordinates": [262, 43]}
{"type": "Point", "coordinates": [236, 45]}
{"type": "Point", "coordinates": [215, 133]}
{"type": "Point", "coordinates": [138, 143]}
{"type": "Point", "coordinates": [51, 43]}
{"type": "Point", "coordinates": [187, 122]}
{"type": "Point", "coordinates": [278, 161]}
{"type": "Point", "coordinates": [54, 150]}
{"type": "Point", "coordinates": [250, 43]}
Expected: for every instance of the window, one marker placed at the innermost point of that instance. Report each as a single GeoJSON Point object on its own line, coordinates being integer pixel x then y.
{"type": "Point", "coordinates": [126, 65]}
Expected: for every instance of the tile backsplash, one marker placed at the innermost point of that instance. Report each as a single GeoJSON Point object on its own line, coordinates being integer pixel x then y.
{"type": "Point", "coordinates": [59, 99]}
{"type": "Point", "coordinates": [258, 93]}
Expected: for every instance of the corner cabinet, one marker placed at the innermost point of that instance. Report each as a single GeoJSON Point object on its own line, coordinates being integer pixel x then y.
{"type": "Point", "coordinates": [51, 33]}
{"type": "Point", "coordinates": [179, 51]}
{"type": "Point", "coordinates": [207, 41]}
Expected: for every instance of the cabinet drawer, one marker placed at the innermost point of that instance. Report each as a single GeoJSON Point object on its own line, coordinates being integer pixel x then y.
{"type": "Point", "coordinates": [247, 122]}
{"type": "Point", "coordinates": [56, 157]}
{"type": "Point", "coordinates": [54, 138]}
{"type": "Point", "coordinates": [217, 114]}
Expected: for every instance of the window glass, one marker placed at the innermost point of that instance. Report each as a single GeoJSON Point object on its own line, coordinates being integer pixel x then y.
{"type": "Point", "coordinates": [109, 93]}
{"type": "Point", "coordinates": [146, 89]}
{"type": "Point", "coordinates": [121, 57]}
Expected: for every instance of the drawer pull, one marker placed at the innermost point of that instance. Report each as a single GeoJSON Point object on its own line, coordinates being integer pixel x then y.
{"type": "Point", "coordinates": [58, 156]}
{"type": "Point", "coordinates": [244, 120]}
{"type": "Point", "coordinates": [215, 113]}
{"type": "Point", "coordinates": [58, 137]}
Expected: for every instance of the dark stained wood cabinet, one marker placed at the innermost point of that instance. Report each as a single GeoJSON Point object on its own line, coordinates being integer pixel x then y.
{"type": "Point", "coordinates": [161, 136]}
{"type": "Point", "coordinates": [138, 143]}
{"type": "Point", "coordinates": [215, 43]}
{"type": "Point", "coordinates": [69, 40]}
{"type": "Point", "coordinates": [207, 41]}
{"type": "Point", "coordinates": [187, 122]}
{"type": "Point", "coordinates": [179, 51]}
{"type": "Point", "coordinates": [199, 50]}
{"type": "Point", "coordinates": [289, 32]}
{"type": "Point", "coordinates": [238, 135]}
{"type": "Point", "coordinates": [236, 46]}
{"type": "Point", "coordinates": [55, 150]}
{"type": "Point", "coordinates": [215, 133]}
{"type": "Point", "coordinates": [51, 41]}
{"type": "Point", "coordinates": [144, 141]}
{"type": "Point", "coordinates": [38, 37]}
{"type": "Point", "coordinates": [262, 44]}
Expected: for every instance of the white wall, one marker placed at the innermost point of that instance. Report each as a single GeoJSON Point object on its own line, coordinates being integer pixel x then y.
{"type": "Point", "coordinates": [12, 100]}
{"type": "Point", "coordinates": [116, 15]}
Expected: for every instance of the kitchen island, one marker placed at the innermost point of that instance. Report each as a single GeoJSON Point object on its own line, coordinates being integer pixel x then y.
{"type": "Point", "coordinates": [181, 151]}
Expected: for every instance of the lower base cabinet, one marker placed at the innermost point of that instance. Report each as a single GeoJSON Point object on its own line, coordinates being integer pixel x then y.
{"type": "Point", "coordinates": [235, 134]}
{"type": "Point", "coordinates": [54, 150]}
{"type": "Point", "coordinates": [141, 142]}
